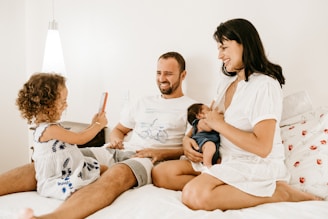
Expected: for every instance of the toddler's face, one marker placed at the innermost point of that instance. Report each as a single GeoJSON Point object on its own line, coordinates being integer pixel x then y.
{"type": "Point", "coordinates": [62, 100]}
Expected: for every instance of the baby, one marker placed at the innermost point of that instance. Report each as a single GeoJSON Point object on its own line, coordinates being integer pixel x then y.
{"type": "Point", "coordinates": [207, 139]}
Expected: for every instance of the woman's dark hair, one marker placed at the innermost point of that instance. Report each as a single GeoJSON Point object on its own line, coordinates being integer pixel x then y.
{"type": "Point", "coordinates": [254, 58]}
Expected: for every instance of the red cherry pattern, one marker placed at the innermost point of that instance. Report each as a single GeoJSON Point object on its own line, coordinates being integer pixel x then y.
{"type": "Point", "coordinates": [316, 146]}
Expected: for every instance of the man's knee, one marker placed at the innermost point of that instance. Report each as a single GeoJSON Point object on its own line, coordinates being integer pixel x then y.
{"type": "Point", "coordinates": [141, 169]}
{"type": "Point", "coordinates": [158, 175]}
{"type": "Point", "coordinates": [118, 178]}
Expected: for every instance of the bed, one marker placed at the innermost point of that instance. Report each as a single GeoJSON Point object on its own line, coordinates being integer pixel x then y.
{"type": "Point", "coordinates": [305, 136]}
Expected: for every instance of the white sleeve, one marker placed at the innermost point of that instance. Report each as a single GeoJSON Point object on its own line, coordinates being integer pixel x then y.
{"type": "Point", "coordinates": [267, 102]}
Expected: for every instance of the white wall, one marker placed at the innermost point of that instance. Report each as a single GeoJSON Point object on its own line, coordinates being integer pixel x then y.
{"type": "Point", "coordinates": [114, 45]}
{"type": "Point", "coordinates": [14, 137]}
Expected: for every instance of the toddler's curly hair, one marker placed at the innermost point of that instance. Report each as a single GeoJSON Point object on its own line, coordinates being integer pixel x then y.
{"type": "Point", "coordinates": [36, 101]}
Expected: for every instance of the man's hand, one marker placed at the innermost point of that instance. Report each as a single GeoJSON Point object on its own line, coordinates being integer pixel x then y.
{"type": "Point", "coordinates": [190, 146]}
{"type": "Point", "coordinates": [154, 154]}
{"type": "Point", "coordinates": [116, 144]}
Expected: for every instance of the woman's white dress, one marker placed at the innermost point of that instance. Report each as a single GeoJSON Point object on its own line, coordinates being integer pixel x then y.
{"type": "Point", "coordinates": [258, 99]}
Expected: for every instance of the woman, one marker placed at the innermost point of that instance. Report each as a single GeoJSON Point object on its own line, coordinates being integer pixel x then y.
{"type": "Point", "coordinates": [246, 113]}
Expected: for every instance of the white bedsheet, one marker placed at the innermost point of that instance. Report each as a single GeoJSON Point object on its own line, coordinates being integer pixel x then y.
{"type": "Point", "coordinates": [150, 202]}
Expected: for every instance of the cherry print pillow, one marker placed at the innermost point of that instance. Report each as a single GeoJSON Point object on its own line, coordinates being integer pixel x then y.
{"type": "Point", "coordinates": [306, 149]}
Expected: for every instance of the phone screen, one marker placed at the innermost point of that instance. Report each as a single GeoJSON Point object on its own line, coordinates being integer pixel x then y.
{"type": "Point", "coordinates": [103, 101]}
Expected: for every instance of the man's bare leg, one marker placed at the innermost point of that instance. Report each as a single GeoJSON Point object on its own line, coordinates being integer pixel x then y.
{"type": "Point", "coordinates": [20, 179]}
{"type": "Point", "coordinates": [173, 174]}
{"type": "Point", "coordinates": [95, 196]}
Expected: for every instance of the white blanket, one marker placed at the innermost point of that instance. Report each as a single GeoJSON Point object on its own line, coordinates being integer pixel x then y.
{"type": "Point", "coordinates": [150, 202]}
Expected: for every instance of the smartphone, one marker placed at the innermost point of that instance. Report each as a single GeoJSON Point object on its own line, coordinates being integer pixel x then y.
{"type": "Point", "coordinates": [103, 102]}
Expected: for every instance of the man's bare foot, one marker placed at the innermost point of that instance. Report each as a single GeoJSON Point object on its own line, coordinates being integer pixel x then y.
{"type": "Point", "coordinates": [286, 193]}
{"type": "Point", "coordinates": [26, 214]}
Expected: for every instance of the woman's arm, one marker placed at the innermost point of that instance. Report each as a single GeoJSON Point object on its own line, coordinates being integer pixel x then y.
{"type": "Point", "coordinates": [259, 141]}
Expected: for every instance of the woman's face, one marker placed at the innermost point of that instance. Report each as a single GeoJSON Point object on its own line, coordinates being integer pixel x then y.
{"type": "Point", "coordinates": [231, 53]}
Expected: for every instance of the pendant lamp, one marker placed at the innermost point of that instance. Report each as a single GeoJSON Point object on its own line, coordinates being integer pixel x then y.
{"type": "Point", "coordinates": [53, 59]}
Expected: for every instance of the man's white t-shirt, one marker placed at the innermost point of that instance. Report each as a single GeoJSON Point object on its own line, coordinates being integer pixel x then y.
{"type": "Point", "coordinates": [156, 122]}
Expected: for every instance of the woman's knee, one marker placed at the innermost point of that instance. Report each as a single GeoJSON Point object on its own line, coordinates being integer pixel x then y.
{"type": "Point", "coordinates": [195, 198]}
{"type": "Point", "coordinates": [189, 196]}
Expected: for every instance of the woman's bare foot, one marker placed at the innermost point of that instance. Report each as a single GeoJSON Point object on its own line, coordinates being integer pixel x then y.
{"type": "Point", "coordinates": [26, 214]}
{"type": "Point", "coordinates": [286, 193]}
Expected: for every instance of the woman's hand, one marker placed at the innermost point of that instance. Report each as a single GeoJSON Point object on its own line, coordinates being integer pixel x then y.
{"type": "Point", "coordinates": [214, 119]}
{"type": "Point", "coordinates": [189, 147]}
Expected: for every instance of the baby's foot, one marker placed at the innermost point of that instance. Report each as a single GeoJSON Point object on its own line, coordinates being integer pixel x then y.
{"type": "Point", "coordinates": [207, 164]}
{"type": "Point", "coordinates": [26, 214]}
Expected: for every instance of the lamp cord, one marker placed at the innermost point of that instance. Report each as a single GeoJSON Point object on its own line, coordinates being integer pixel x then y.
{"type": "Point", "coordinates": [53, 9]}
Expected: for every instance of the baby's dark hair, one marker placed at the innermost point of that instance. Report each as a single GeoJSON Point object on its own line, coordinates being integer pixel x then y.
{"type": "Point", "coordinates": [37, 99]}
{"type": "Point", "coordinates": [193, 111]}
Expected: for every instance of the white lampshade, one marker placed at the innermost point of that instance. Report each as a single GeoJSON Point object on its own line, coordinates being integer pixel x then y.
{"type": "Point", "coordinates": [53, 59]}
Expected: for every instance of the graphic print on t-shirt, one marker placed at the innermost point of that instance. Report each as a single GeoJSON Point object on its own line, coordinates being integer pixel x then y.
{"type": "Point", "coordinates": [153, 131]}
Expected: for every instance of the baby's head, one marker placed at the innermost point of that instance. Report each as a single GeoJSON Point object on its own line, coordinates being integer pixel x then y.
{"type": "Point", "coordinates": [197, 111]}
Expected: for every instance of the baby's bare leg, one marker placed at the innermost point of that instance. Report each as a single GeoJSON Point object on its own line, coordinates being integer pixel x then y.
{"type": "Point", "coordinates": [209, 149]}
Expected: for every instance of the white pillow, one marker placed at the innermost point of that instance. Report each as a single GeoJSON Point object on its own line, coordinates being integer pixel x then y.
{"type": "Point", "coordinates": [295, 104]}
{"type": "Point", "coordinates": [306, 150]}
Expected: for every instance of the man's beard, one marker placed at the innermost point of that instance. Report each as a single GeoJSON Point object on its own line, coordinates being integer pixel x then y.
{"type": "Point", "coordinates": [171, 89]}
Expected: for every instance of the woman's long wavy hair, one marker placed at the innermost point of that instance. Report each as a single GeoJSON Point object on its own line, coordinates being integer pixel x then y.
{"type": "Point", "coordinates": [254, 58]}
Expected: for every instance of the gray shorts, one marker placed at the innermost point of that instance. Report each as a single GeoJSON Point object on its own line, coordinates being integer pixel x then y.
{"type": "Point", "coordinates": [141, 167]}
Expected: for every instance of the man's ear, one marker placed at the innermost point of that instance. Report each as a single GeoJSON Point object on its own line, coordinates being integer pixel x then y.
{"type": "Point", "coordinates": [183, 74]}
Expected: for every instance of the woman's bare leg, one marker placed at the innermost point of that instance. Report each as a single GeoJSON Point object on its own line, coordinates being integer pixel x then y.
{"type": "Point", "coordinates": [112, 183]}
{"type": "Point", "coordinates": [208, 193]}
{"type": "Point", "coordinates": [20, 179]}
{"type": "Point", "coordinates": [173, 174]}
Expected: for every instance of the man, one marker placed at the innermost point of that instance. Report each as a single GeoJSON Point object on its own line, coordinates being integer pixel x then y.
{"type": "Point", "coordinates": [158, 123]}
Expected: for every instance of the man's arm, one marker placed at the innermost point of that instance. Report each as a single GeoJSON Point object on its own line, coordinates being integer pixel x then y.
{"type": "Point", "coordinates": [117, 135]}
